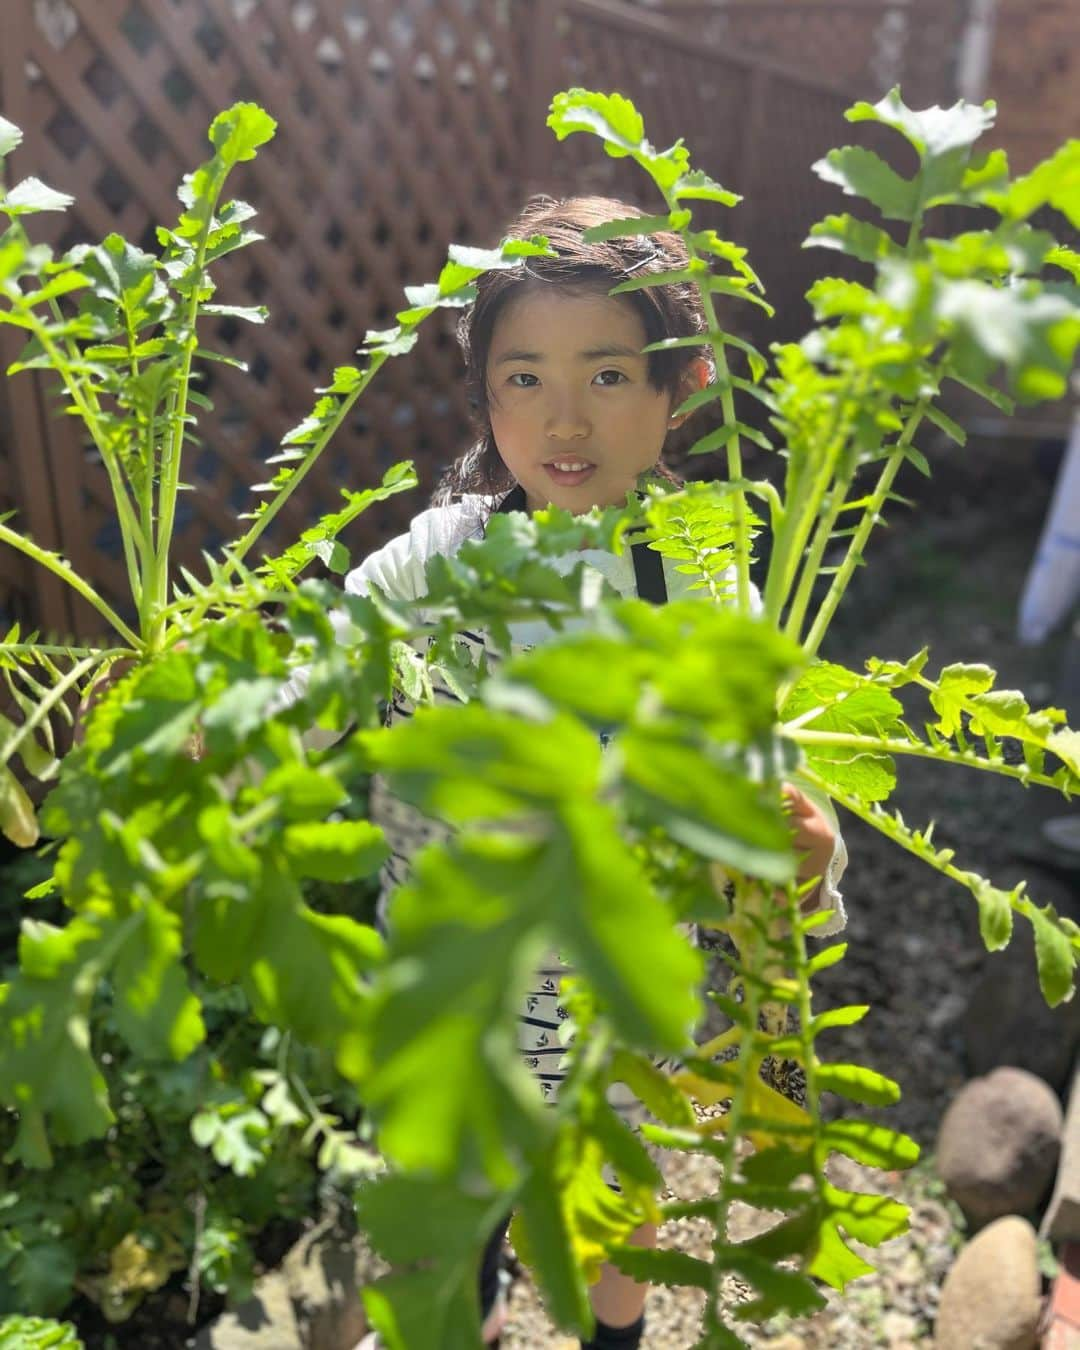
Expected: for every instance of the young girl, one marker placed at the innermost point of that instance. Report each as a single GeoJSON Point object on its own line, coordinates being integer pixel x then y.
{"type": "Point", "coordinates": [570, 412]}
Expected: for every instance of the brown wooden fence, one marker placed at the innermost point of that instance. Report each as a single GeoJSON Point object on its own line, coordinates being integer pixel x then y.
{"type": "Point", "coordinates": [863, 46]}
{"type": "Point", "coordinates": [404, 125]}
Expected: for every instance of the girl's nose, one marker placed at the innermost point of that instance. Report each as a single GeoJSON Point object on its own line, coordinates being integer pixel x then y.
{"type": "Point", "coordinates": [566, 421]}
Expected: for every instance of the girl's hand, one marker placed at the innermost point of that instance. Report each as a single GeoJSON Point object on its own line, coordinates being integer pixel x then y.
{"type": "Point", "coordinates": [815, 840]}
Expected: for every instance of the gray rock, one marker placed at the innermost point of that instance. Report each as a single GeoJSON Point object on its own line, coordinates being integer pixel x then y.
{"type": "Point", "coordinates": [325, 1271]}
{"type": "Point", "coordinates": [1007, 1020]}
{"type": "Point", "coordinates": [312, 1302]}
{"type": "Point", "coordinates": [992, 1296]}
{"type": "Point", "coordinates": [1061, 1223]}
{"type": "Point", "coordinates": [998, 1145]}
{"type": "Point", "coordinates": [264, 1322]}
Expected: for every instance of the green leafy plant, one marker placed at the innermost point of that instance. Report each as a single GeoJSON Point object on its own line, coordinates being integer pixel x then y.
{"type": "Point", "coordinates": [35, 1333]}
{"type": "Point", "coordinates": [188, 879]}
{"type": "Point", "coordinates": [126, 355]}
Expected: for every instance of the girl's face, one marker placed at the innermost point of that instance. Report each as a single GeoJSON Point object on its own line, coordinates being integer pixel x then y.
{"type": "Point", "coordinates": [572, 411]}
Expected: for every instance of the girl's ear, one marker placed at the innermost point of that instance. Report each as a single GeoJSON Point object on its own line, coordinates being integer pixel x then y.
{"type": "Point", "coordinates": [694, 377]}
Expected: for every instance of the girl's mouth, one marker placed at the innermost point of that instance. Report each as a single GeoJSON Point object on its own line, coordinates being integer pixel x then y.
{"type": "Point", "coordinates": [569, 472]}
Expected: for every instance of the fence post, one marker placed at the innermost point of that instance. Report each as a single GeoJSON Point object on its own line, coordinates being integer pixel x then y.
{"type": "Point", "coordinates": [751, 150]}
{"type": "Point", "coordinates": [26, 426]}
{"type": "Point", "coordinates": [548, 20]}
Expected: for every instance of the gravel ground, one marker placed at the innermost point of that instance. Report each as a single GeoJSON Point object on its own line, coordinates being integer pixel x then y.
{"type": "Point", "coordinates": [948, 576]}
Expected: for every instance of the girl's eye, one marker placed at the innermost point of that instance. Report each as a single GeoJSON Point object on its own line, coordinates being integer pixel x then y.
{"type": "Point", "coordinates": [521, 380]}
{"type": "Point", "coordinates": [617, 377]}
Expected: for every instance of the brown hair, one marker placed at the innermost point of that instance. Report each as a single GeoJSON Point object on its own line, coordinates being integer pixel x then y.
{"type": "Point", "coordinates": [667, 311]}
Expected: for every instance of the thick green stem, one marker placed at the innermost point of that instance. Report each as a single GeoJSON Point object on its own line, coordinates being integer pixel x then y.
{"type": "Point", "coordinates": [804, 506]}
{"type": "Point", "coordinates": [734, 463]}
{"type": "Point", "coordinates": [235, 554]}
{"type": "Point", "coordinates": [873, 745]}
{"type": "Point", "coordinates": [238, 550]}
{"type": "Point", "coordinates": [733, 447]}
{"type": "Point", "coordinates": [805, 1035]}
{"type": "Point", "coordinates": [812, 565]}
{"type": "Point", "coordinates": [940, 860]}
{"type": "Point", "coordinates": [174, 446]}
{"type": "Point", "coordinates": [733, 1125]}
{"type": "Point", "coordinates": [858, 543]}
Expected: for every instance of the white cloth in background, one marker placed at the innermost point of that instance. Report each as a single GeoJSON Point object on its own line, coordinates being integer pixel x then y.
{"type": "Point", "coordinates": [1053, 581]}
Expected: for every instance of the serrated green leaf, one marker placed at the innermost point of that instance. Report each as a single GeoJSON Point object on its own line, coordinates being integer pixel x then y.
{"type": "Point", "coordinates": [954, 687]}
{"type": "Point", "coordinates": [953, 430]}
{"type": "Point", "coordinates": [857, 238]}
{"type": "Point", "coordinates": [155, 1010]}
{"type": "Point", "coordinates": [1054, 954]}
{"type": "Point", "coordinates": [698, 186]}
{"type": "Point", "coordinates": [862, 173]}
{"type": "Point", "coordinates": [850, 705]}
{"type": "Point", "coordinates": [826, 958]}
{"type": "Point", "coordinates": [1054, 182]}
{"type": "Point", "coordinates": [857, 1084]}
{"type": "Point", "coordinates": [630, 227]}
{"type": "Point", "coordinates": [663, 1267]}
{"type": "Point", "coordinates": [995, 913]}
{"type": "Point", "coordinates": [874, 1145]}
{"type": "Point", "coordinates": [943, 139]}
{"type": "Point", "coordinates": [251, 313]}
{"type": "Point", "coordinates": [838, 1017]}
{"type": "Point", "coordinates": [652, 1087]}
{"type": "Point", "coordinates": [32, 195]}
{"type": "Point", "coordinates": [18, 819]}
{"type": "Point", "coordinates": [335, 850]}
{"type": "Point", "coordinates": [10, 137]}
{"type": "Point", "coordinates": [781, 1289]}
{"type": "Point", "coordinates": [609, 116]}
{"type": "Point", "coordinates": [238, 132]}
{"type": "Point", "coordinates": [389, 342]}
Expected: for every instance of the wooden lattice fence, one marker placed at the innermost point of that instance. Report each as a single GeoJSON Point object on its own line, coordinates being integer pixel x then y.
{"type": "Point", "coordinates": [360, 192]}
{"type": "Point", "coordinates": [862, 46]}
{"type": "Point", "coordinates": [404, 125]}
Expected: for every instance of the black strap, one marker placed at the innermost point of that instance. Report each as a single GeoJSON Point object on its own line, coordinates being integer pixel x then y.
{"type": "Point", "coordinates": [514, 500]}
{"type": "Point", "coordinates": [648, 564]}
{"type": "Point", "coordinates": [649, 572]}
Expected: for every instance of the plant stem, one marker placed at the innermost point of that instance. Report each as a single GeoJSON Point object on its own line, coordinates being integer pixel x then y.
{"type": "Point", "coordinates": [32, 650]}
{"type": "Point", "coordinates": [733, 447]}
{"type": "Point", "coordinates": [858, 543]}
{"type": "Point", "coordinates": [812, 565]}
{"type": "Point", "coordinates": [804, 507]}
{"type": "Point", "coordinates": [919, 749]}
{"type": "Point", "coordinates": [818, 1152]}
{"type": "Point", "coordinates": [85, 399]}
{"type": "Point", "coordinates": [170, 468]}
{"type": "Point", "coordinates": [733, 1128]}
{"type": "Point", "coordinates": [236, 553]}
{"type": "Point", "coordinates": [130, 530]}
{"type": "Point", "coordinates": [129, 537]}
{"type": "Point", "coordinates": [45, 706]}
